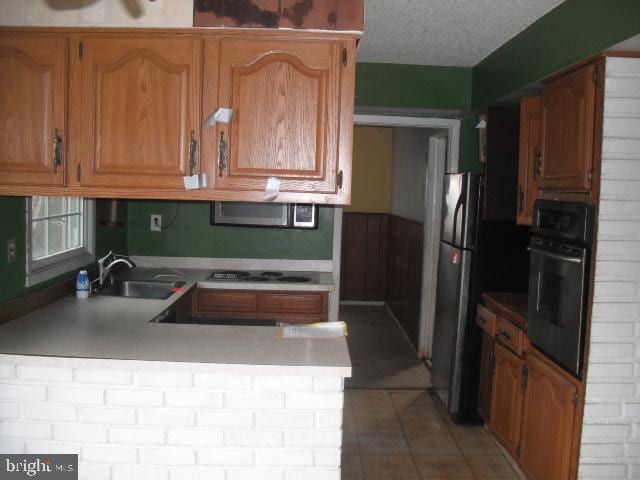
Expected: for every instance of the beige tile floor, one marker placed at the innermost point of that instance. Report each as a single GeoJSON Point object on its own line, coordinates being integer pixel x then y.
{"type": "Point", "coordinates": [406, 435]}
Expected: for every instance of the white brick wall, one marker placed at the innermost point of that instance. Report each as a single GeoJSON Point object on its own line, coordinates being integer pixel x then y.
{"type": "Point", "coordinates": [611, 431]}
{"type": "Point", "coordinates": [137, 420]}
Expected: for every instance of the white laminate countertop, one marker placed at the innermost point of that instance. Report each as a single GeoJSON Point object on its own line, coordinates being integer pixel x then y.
{"type": "Point", "coordinates": [118, 328]}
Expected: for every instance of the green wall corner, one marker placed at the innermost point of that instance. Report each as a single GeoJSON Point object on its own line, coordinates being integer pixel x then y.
{"type": "Point", "coordinates": [571, 32]}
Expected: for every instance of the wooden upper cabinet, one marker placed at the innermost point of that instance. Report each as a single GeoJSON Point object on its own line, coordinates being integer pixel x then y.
{"type": "Point", "coordinates": [506, 399]}
{"type": "Point", "coordinates": [285, 97]}
{"type": "Point", "coordinates": [568, 116]}
{"type": "Point", "coordinates": [548, 421]}
{"type": "Point", "coordinates": [530, 156]}
{"type": "Point", "coordinates": [140, 110]}
{"type": "Point", "coordinates": [33, 76]}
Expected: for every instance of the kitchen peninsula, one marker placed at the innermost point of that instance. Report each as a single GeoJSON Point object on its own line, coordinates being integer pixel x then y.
{"type": "Point", "coordinates": [135, 398]}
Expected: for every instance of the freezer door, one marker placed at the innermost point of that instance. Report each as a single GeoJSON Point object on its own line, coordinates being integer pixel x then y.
{"type": "Point", "coordinates": [460, 209]}
{"type": "Point", "coordinates": [454, 268]}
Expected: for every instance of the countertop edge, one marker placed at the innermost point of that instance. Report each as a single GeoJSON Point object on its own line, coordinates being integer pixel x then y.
{"type": "Point", "coordinates": [163, 365]}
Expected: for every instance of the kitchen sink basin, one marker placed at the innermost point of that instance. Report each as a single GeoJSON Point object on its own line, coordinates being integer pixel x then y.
{"type": "Point", "coordinates": [140, 289]}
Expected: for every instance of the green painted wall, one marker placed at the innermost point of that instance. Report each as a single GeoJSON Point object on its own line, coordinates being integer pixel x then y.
{"type": "Point", "coordinates": [12, 225]}
{"type": "Point", "coordinates": [192, 235]}
{"type": "Point", "coordinates": [571, 32]}
{"type": "Point", "coordinates": [412, 86]}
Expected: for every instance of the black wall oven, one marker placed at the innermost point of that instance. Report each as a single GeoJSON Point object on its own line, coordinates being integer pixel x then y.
{"type": "Point", "coordinates": [560, 249]}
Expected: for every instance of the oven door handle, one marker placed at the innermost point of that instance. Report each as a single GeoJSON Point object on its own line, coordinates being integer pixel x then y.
{"type": "Point", "coordinates": [556, 256]}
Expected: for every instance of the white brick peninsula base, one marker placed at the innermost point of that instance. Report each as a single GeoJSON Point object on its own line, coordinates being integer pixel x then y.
{"type": "Point", "coordinates": [130, 419]}
{"type": "Point", "coordinates": [611, 432]}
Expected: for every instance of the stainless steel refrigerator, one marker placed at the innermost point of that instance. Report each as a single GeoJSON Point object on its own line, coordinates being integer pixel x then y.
{"type": "Point", "coordinates": [475, 256]}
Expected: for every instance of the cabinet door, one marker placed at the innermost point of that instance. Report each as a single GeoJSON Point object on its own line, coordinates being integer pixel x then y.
{"type": "Point", "coordinates": [140, 110]}
{"type": "Point", "coordinates": [486, 376]}
{"type": "Point", "coordinates": [32, 113]}
{"type": "Point", "coordinates": [530, 154]}
{"type": "Point", "coordinates": [568, 115]}
{"type": "Point", "coordinates": [506, 399]}
{"type": "Point", "coordinates": [296, 307]}
{"type": "Point", "coordinates": [548, 420]}
{"type": "Point", "coordinates": [227, 303]}
{"type": "Point", "coordinates": [285, 101]}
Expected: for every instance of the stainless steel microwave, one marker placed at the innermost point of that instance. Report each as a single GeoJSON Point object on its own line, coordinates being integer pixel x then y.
{"type": "Point", "coordinates": [275, 215]}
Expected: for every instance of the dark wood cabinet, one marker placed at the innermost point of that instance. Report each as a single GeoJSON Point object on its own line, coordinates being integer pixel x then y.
{"type": "Point", "coordinates": [501, 169]}
{"type": "Point", "coordinates": [506, 399]}
{"type": "Point", "coordinates": [549, 410]}
{"type": "Point", "coordinates": [568, 121]}
{"type": "Point", "coordinates": [33, 96]}
{"type": "Point", "coordinates": [529, 156]}
{"type": "Point", "coordinates": [486, 376]}
{"type": "Point", "coordinates": [140, 110]}
{"type": "Point", "coordinates": [286, 306]}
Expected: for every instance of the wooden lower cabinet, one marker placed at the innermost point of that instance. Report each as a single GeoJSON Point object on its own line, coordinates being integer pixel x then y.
{"type": "Point", "coordinates": [506, 399]}
{"type": "Point", "coordinates": [286, 306]}
{"type": "Point", "coordinates": [486, 376]}
{"type": "Point", "coordinates": [548, 419]}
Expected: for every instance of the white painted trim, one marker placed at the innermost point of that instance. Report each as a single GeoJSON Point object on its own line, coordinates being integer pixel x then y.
{"type": "Point", "coordinates": [234, 263]}
{"type": "Point", "coordinates": [334, 296]}
{"type": "Point", "coordinates": [66, 261]}
{"type": "Point", "coordinates": [436, 165]}
{"type": "Point", "coordinates": [452, 125]}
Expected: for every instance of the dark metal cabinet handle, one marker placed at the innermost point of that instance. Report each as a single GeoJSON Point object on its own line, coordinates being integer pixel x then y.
{"type": "Point", "coordinates": [538, 163]}
{"type": "Point", "coordinates": [505, 335]}
{"type": "Point", "coordinates": [223, 154]}
{"type": "Point", "coordinates": [482, 320]}
{"type": "Point", "coordinates": [193, 153]}
{"type": "Point", "coordinates": [57, 150]}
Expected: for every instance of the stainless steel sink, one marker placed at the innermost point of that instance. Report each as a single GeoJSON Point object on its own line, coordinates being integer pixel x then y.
{"type": "Point", "coordinates": [140, 289]}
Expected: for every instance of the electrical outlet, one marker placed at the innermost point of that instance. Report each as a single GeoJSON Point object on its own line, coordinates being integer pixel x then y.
{"type": "Point", "coordinates": [11, 250]}
{"type": "Point", "coordinates": [156, 223]}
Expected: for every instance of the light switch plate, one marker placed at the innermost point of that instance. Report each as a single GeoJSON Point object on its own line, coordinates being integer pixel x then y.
{"type": "Point", "coordinates": [11, 250]}
{"type": "Point", "coordinates": [156, 223]}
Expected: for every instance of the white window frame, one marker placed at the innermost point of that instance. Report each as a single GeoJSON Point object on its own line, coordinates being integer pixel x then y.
{"type": "Point", "coordinates": [38, 271]}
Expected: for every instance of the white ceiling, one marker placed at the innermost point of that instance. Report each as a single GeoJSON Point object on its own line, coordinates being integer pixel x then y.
{"type": "Point", "coordinates": [443, 32]}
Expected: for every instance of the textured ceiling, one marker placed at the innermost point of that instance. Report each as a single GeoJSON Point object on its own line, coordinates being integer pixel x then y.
{"type": "Point", "coordinates": [443, 32]}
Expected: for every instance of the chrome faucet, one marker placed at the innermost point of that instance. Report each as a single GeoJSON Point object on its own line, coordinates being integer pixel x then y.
{"type": "Point", "coordinates": [106, 263]}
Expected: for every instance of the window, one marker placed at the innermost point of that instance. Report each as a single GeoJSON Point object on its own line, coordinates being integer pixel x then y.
{"type": "Point", "coordinates": [59, 236]}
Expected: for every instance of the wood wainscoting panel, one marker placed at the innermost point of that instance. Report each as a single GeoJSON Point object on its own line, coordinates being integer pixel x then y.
{"type": "Point", "coordinates": [405, 273]}
{"type": "Point", "coordinates": [364, 256]}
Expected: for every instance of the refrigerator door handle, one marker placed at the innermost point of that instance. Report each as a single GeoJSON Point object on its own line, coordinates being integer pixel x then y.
{"type": "Point", "coordinates": [455, 220]}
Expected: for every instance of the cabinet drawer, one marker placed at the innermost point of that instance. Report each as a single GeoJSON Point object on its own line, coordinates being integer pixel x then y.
{"type": "Point", "coordinates": [486, 319]}
{"type": "Point", "coordinates": [509, 335]}
{"type": "Point", "coordinates": [226, 301]}
{"type": "Point", "coordinates": [289, 302]}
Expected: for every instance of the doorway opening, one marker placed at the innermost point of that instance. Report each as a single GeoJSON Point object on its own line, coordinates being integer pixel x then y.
{"type": "Point", "coordinates": [390, 233]}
